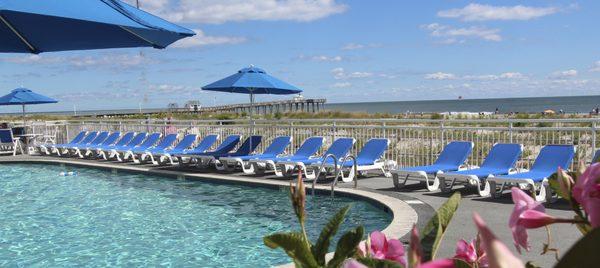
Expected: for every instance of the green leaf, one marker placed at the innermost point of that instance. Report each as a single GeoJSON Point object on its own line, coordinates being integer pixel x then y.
{"type": "Point", "coordinates": [458, 263]}
{"type": "Point", "coordinates": [294, 245]}
{"type": "Point", "coordinates": [347, 246]}
{"type": "Point", "coordinates": [584, 253]}
{"type": "Point", "coordinates": [432, 234]}
{"type": "Point", "coordinates": [322, 246]}
{"type": "Point", "coordinates": [375, 263]}
{"type": "Point", "coordinates": [555, 186]}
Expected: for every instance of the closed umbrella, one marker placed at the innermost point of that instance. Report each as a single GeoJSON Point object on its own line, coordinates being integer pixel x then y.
{"type": "Point", "coordinates": [34, 26]}
{"type": "Point", "coordinates": [252, 81]}
{"type": "Point", "coordinates": [23, 96]}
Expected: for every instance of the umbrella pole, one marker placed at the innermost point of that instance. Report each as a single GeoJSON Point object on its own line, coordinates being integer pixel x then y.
{"type": "Point", "coordinates": [23, 106]}
{"type": "Point", "coordinates": [251, 118]}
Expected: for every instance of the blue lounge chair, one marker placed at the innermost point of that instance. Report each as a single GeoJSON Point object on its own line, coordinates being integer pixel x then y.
{"type": "Point", "coordinates": [247, 148]}
{"type": "Point", "coordinates": [76, 149]}
{"type": "Point", "coordinates": [164, 144]}
{"type": "Point", "coordinates": [596, 157]}
{"type": "Point", "coordinates": [369, 158]}
{"type": "Point", "coordinates": [111, 139]}
{"type": "Point", "coordinates": [8, 143]}
{"type": "Point", "coordinates": [452, 158]}
{"type": "Point", "coordinates": [124, 140]}
{"type": "Point", "coordinates": [184, 147]}
{"type": "Point", "coordinates": [194, 156]}
{"type": "Point", "coordinates": [500, 161]}
{"type": "Point", "coordinates": [312, 167]}
{"type": "Point", "coordinates": [551, 157]}
{"type": "Point", "coordinates": [155, 155]}
{"type": "Point", "coordinates": [150, 141]}
{"type": "Point", "coordinates": [61, 149]}
{"type": "Point", "coordinates": [307, 150]}
{"type": "Point", "coordinates": [78, 138]}
{"type": "Point", "coordinates": [111, 151]}
{"type": "Point", "coordinates": [276, 148]}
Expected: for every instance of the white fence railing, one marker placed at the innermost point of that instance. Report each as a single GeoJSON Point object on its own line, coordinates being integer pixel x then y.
{"type": "Point", "coordinates": [413, 142]}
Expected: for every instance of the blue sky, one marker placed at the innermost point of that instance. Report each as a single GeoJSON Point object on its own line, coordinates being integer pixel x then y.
{"type": "Point", "coordinates": [342, 50]}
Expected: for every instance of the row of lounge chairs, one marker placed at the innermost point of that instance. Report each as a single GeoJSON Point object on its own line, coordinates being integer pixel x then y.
{"type": "Point", "coordinates": [496, 173]}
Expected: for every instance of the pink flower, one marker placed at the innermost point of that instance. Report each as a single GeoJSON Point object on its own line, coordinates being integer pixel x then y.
{"type": "Point", "coordinates": [441, 263]}
{"type": "Point", "coordinates": [384, 249]}
{"type": "Point", "coordinates": [532, 219]}
{"type": "Point", "coordinates": [466, 251]}
{"type": "Point", "coordinates": [523, 202]}
{"type": "Point", "coordinates": [587, 193]}
{"type": "Point", "coordinates": [498, 255]}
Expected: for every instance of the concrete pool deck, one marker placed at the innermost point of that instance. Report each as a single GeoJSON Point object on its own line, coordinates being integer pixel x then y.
{"type": "Point", "coordinates": [412, 205]}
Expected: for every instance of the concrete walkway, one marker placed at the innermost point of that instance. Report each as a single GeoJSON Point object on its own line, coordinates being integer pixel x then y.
{"type": "Point", "coordinates": [494, 211]}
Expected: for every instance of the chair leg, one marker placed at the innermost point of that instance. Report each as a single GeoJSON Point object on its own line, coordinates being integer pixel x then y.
{"type": "Point", "coordinates": [432, 186]}
{"type": "Point", "coordinates": [399, 184]}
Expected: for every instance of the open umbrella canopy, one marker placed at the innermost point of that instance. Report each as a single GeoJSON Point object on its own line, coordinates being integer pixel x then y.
{"type": "Point", "coordinates": [34, 26]}
{"type": "Point", "coordinates": [23, 96]}
{"type": "Point", "coordinates": [252, 80]}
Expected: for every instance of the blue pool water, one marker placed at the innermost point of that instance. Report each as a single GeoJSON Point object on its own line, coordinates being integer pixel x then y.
{"type": "Point", "coordinates": [102, 219]}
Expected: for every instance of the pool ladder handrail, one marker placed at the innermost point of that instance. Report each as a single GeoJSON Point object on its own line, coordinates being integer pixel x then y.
{"type": "Point", "coordinates": [318, 172]}
{"type": "Point", "coordinates": [341, 172]}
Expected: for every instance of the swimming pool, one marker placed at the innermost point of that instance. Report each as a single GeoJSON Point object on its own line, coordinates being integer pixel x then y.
{"type": "Point", "coordinates": [102, 219]}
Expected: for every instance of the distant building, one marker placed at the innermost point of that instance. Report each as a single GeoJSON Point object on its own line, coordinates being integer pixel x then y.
{"type": "Point", "coordinates": [193, 105]}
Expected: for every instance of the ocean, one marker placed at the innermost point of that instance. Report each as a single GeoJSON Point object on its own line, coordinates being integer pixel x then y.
{"type": "Point", "coordinates": [571, 104]}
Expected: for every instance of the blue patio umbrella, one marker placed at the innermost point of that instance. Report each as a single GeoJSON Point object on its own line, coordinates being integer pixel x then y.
{"type": "Point", "coordinates": [252, 81]}
{"type": "Point", "coordinates": [34, 26]}
{"type": "Point", "coordinates": [23, 96]}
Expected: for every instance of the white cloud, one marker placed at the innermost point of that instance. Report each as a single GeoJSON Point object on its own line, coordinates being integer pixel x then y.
{"type": "Point", "coordinates": [491, 77]}
{"type": "Point", "coordinates": [321, 58]}
{"type": "Point", "coordinates": [342, 85]}
{"type": "Point", "coordinates": [221, 11]}
{"type": "Point", "coordinates": [452, 35]}
{"type": "Point", "coordinates": [596, 67]}
{"type": "Point", "coordinates": [109, 59]}
{"type": "Point", "coordinates": [355, 46]}
{"type": "Point", "coordinates": [563, 74]}
{"type": "Point", "coordinates": [31, 59]}
{"type": "Point", "coordinates": [340, 73]}
{"type": "Point", "coordinates": [512, 75]}
{"type": "Point", "coordinates": [201, 39]}
{"type": "Point", "coordinates": [440, 76]}
{"type": "Point", "coordinates": [479, 12]}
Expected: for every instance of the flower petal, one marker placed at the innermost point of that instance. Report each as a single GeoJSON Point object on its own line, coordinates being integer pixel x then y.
{"type": "Point", "coordinates": [498, 255]}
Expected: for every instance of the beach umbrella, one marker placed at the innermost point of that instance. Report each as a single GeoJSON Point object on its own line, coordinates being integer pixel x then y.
{"type": "Point", "coordinates": [34, 26]}
{"type": "Point", "coordinates": [252, 81]}
{"type": "Point", "coordinates": [23, 96]}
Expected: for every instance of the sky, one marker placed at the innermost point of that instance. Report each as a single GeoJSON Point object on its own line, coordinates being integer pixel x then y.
{"type": "Point", "coordinates": [341, 50]}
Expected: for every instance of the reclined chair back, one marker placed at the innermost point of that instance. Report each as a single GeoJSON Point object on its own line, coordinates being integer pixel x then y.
{"type": "Point", "coordinates": [139, 138]}
{"type": "Point", "coordinates": [150, 141]}
{"type": "Point", "coordinates": [249, 145]}
{"type": "Point", "coordinates": [228, 144]}
{"type": "Point", "coordinates": [310, 147]}
{"type": "Point", "coordinates": [552, 157]}
{"type": "Point", "coordinates": [596, 157]}
{"type": "Point", "coordinates": [186, 142]}
{"type": "Point", "coordinates": [6, 136]}
{"type": "Point", "coordinates": [88, 138]}
{"type": "Point", "coordinates": [372, 151]}
{"type": "Point", "coordinates": [455, 153]}
{"type": "Point", "coordinates": [503, 156]}
{"type": "Point", "coordinates": [278, 146]}
{"type": "Point", "coordinates": [125, 139]}
{"type": "Point", "coordinates": [208, 141]}
{"type": "Point", "coordinates": [102, 136]}
{"type": "Point", "coordinates": [166, 142]}
{"type": "Point", "coordinates": [78, 138]}
{"type": "Point", "coordinates": [112, 138]}
{"type": "Point", "coordinates": [340, 147]}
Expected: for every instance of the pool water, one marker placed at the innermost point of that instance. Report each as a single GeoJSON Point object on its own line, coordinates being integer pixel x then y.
{"type": "Point", "coordinates": [102, 219]}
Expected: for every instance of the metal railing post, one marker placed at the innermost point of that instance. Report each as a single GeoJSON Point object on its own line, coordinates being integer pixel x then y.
{"type": "Point", "coordinates": [593, 138]}
{"type": "Point", "coordinates": [510, 131]}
